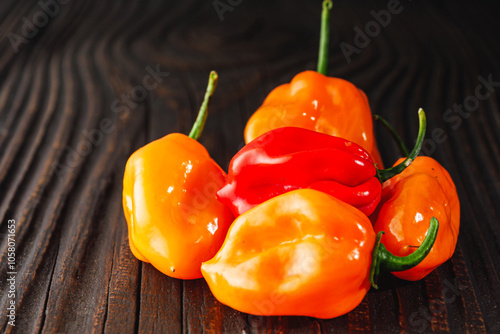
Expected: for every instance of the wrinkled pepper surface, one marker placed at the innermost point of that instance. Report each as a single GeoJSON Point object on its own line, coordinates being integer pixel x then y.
{"type": "Point", "coordinates": [423, 190]}
{"type": "Point", "coordinates": [174, 219]}
{"type": "Point", "coordinates": [291, 158]}
{"type": "Point", "coordinates": [316, 102]}
{"type": "Point", "coordinates": [302, 253]}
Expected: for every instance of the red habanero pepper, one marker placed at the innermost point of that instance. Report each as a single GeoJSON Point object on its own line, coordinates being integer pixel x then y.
{"type": "Point", "coordinates": [316, 102]}
{"type": "Point", "coordinates": [174, 219]}
{"type": "Point", "coordinates": [302, 253]}
{"type": "Point", "coordinates": [290, 158]}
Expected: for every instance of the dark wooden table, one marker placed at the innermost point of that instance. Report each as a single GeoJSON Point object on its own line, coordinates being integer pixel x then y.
{"type": "Point", "coordinates": [85, 83]}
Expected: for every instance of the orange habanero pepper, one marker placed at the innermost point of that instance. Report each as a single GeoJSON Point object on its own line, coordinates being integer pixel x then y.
{"type": "Point", "coordinates": [316, 102]}
{"type": "Point", "coordinates": [174, 220]}
{"type": "Point", "coordinates": [301, 253]}
{"type": "Point", "coordinates": [422, 190]}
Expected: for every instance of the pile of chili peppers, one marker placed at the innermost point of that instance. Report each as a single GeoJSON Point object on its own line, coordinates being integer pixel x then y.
{"type": "Point", "coordinates": [306, 218]}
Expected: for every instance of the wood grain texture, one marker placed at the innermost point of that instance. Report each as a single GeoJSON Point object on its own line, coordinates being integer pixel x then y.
{"type": "Point", "coordinates": [98, 79]}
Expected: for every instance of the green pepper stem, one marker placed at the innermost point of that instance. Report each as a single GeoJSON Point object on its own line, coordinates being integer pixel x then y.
{"type": "Point", "coordinates": [324, 38]}
{"type": "Point", "coordinates": [385, 174]}
{"type": "Point", "coordinates": [202, 114]}
{"type": "Point", "coordinates": [383, 260]}
{"type": "Point", "coordinates": [397, 138]}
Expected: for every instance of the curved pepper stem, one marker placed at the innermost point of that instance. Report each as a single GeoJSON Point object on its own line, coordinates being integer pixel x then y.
{"type": "Point", "coordinates": [202, 114]}
{"type": "Point", "coordinates": [397, 138]}
{"type": "Point", "coordinates": [385, 174]}
{"type": "Point", "coordinates": [383, 260]}
{"type": "Point", "coordinates": [324, 38]}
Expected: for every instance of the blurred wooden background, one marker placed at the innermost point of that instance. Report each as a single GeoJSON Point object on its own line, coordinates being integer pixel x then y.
{"type": "Point", "coordinates": [75, 103]}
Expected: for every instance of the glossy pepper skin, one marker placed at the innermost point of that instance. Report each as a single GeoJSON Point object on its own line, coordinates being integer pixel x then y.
{"type": "Point", "coordinates": [409, 199]}
{"type": "Point", "coordinates": [174, 219]}
{"type": "Point", "coordinates": [301, 253]}
{"type": "Point", "coordinates": [289, 158]}
{"type": "Point", "coordinates": [314, 101]}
